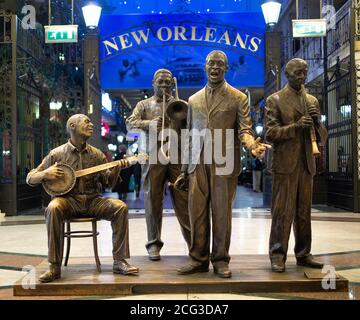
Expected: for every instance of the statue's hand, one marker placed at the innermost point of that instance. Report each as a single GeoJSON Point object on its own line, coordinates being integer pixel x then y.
{"type": "Point", "coordinates": [305, 122]}
{"type": "Point", "coordinates": [314, 112]}
{"type": "Point", "coordinates": [182, 182]}
{"type": "Point", "coordinates": [259, 148]}
{"type": "Point", "coordinates": [53, 172]}
{"type": "Point", "coordinates": [159, 123]}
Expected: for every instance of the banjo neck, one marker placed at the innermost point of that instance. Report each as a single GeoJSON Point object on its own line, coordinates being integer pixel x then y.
{"type": "Point", "coordinates": [121, 163]}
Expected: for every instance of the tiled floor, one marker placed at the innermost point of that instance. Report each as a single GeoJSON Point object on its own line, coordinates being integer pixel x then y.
{"type": "Point", "coordinates": [336, 234]}
{"type": "Point", "coordinates": [8, 277]}
{"type": "Point", "coordinates": [245, 198]}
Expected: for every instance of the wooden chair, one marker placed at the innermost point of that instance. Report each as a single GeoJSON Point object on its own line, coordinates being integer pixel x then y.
{"type": "Point", "coordinates": [82, 234]}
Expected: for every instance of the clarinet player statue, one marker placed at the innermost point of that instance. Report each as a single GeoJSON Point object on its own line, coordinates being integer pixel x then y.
{"type": "Point", "coordinates": [294, 128]}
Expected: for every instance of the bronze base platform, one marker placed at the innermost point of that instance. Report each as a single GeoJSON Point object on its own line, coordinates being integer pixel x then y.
{"type": "Point", "coordinates": [250, 274]}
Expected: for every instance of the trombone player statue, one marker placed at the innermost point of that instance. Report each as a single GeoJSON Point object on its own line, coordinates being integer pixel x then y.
{"type": "Point", "coordinates": [84, 199]}
{"type": "Point", "coordinates": [294, 128]}
{"type": "Point", "coordinates": [156, 175]}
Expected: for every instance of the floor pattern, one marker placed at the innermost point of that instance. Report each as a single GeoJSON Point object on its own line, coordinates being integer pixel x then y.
{"type": "Point", "coordinates": [336, 236]}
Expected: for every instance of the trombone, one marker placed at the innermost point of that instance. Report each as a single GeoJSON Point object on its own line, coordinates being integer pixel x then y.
{"type": "Point", "coordinates": [176, 111]}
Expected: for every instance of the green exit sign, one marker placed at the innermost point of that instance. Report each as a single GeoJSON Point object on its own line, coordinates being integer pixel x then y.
{"type": "Point", "coordinates": [309, 28]}
{"type": "Point", "coordinates": [61, 34]}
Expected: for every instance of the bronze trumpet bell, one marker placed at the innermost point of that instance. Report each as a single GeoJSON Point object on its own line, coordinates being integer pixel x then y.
{"type": "Point", "coordinates": [177, 110]}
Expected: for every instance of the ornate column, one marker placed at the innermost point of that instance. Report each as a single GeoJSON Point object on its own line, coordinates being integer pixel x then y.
{"type": "Point", "coordinates": [8, 110]}
{"type": "Point", "coordinates": [355, 58]}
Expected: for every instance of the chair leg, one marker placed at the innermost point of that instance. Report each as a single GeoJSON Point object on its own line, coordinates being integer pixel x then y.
{"type": "Point", "coordinates": [94, 227]}
{"type": "Point", "coordinates": [68, 244]}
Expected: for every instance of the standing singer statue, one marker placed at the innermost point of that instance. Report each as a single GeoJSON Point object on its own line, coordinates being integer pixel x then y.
{"type": "Point", "coordinates": [155, 175]}
{"type": "Point", "coordinates": [217, 108]}
{"type": "Point", "coordinates": [83, 196]}
{"type": "Point", "coordinates": [294, 128]}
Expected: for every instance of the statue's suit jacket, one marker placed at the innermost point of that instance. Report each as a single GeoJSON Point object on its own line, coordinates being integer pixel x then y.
{"type": "Point", "coordinates": [229, 110]}
{"type": "Point", "coordinates": [283, 109]}
{"type": "Point", "coordinates": [144, 112]}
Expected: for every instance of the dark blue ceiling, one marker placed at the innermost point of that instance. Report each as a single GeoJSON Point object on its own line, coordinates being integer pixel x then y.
{"type": "Point", "coordinates": [167, 6]}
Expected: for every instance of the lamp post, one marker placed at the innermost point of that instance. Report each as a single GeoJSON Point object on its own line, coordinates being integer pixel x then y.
{"type": "Point", "coordinates": [91, 13]}
{"type": "Point", "coordinates": [271, 11]}
{"type": "Point", "coordinates": [92, 92]}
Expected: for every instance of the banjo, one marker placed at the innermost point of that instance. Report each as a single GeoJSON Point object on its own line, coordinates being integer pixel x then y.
{"type": "Point", "coordinates": [66, 183]}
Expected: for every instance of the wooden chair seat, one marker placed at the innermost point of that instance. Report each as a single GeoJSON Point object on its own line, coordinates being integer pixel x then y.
{"type": "Point", "coordinates": [68, 234]}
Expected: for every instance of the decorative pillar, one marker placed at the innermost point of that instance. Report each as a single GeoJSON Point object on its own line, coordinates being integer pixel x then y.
{"type": "Point", "coordinates": [355, 65]}
{"type": "Point", "coordinates": [8, 185]}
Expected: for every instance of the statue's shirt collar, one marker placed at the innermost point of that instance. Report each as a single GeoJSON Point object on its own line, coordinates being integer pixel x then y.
{"type": "Point", "coordinates": [73, 148]}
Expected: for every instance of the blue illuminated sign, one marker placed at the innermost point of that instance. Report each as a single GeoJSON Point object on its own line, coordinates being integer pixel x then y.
{"type": "Point", "coordinates": [133, 47]}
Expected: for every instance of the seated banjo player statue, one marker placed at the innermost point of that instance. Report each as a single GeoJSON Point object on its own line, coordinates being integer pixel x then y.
{"type": "Point", "coordinates": [69, 176]}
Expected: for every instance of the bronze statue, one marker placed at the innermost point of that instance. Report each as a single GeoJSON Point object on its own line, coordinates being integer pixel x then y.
{"type": "Point", "coordinates": [217, 107]}
{"type": "Point", "coordinates": [293, 126]}
{"type": "Point", "coordinates": [83, 199]}
{"type": "Point", "coordinates": [155, 175]}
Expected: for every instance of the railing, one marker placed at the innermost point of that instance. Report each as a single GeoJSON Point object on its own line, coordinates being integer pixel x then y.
{"type": "Point", "coordinates": [31, 41]}
{"type": "Point", "coordinates": [340, 34]}
{"type": "Point", "coordinates": [340, 125]}
{"type": "Point", "coordinates": [5, 29]}
{"type": "Point", "coordinates": [312, 51]}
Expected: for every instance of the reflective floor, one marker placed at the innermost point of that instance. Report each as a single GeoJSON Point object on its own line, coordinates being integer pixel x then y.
{"type": "Point", "coordinates": [336, 233]}
{"type": "Point", "coordinates": [245, 197]}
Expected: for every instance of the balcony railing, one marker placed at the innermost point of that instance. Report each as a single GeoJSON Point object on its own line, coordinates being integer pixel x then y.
{"type": "Point", "coordinates": [31, 41]}
{"type": "Point", "coordinates": [311, 49]}
{"type": "Point", "coordinates": [339, 36]}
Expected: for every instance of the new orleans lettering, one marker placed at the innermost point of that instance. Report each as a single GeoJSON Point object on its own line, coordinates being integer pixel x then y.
{"type": "Point", "coordinates": [138, 36]}
{"type": "Point", "coordinates": [181, 33]}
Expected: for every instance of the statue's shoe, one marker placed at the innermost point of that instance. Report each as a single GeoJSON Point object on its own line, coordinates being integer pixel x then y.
{"type": "Point", "coordinates": [123, 267]}
{"type": "Point", "coordinates": [154, 253]}
{"type": "Point", "coordinates": [222, 270]}
{"type": "Point", "coordinates": [193, 268]}
{"type": "Point", "coordinates": [52, 274]}
{"type": "Point", "coordinates": [278, 266]}
{"type": "Point", "coordinates": [309, 261]}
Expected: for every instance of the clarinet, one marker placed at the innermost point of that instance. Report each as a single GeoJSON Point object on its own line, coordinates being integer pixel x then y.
{"type": "Point", "coordinates": [314, 146]}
